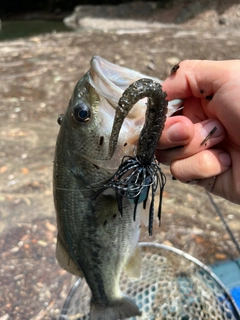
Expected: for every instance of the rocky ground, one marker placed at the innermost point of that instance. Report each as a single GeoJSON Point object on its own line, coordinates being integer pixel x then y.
{"type": "Point", "coordinates": [37, 76]}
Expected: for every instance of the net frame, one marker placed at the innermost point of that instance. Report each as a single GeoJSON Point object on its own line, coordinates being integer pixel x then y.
{"type": "Point", "coordinates": [226, 306]}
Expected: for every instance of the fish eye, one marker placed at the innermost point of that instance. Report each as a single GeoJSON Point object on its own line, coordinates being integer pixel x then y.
{"type": "Point", "coordinates": [81, 112]}
{"type": "Point", "coordinates": [59, 119]}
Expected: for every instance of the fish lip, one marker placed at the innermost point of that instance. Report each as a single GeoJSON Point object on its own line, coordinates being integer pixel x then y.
{"type": "Point", "coordinates": [118, 78]}
{"type": "Point", "coordinates": [100, 77]}
{"type": "Point", "coordinates": [112, 74]}
{"type": "Point", "coordinates": [103, 69]}
{"type": "Point", "coordinates": [104, 75]}
{"type": "Point", "coordinates": [107, 70]}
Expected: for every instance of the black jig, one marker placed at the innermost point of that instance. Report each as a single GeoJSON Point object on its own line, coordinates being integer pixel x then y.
{"type": "Point", "coordinates": [137, 175]}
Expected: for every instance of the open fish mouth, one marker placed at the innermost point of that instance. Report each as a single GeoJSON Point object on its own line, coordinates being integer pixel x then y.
{"type": "Point", "coordinates": [106, 75]}
{"type": "Point", "coordinates": [110, 81]}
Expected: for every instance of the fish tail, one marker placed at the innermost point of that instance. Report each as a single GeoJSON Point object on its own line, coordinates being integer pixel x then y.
{"type": "Point", "coordinates": [119, 309]}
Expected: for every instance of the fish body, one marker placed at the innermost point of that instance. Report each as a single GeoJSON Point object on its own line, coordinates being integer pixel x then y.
{"type": "Point", "coordinates": [94, 239]}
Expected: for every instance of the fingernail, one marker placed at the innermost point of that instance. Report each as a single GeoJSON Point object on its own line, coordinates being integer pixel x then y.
{"type": "Point", "coordinates": [209, 126]}
{"type": "Point", "coordinates": [177, 132]}
{"type": "Point", "coordinates": [225, 159]}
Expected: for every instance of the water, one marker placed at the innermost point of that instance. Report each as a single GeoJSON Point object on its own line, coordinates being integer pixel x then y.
{"type": "Point", "coordinates": [26, 28]}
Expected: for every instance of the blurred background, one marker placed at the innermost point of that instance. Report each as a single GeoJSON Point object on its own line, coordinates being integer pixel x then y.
{"type": "Point", "coordinates": [45, 48]}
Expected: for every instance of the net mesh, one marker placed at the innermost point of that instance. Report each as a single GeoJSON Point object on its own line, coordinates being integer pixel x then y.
{"type": "Point", "coordinates": [173, 286]}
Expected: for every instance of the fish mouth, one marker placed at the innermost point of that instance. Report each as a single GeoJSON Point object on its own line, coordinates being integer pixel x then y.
{"type": "Point", "coordinates": [110, 80]}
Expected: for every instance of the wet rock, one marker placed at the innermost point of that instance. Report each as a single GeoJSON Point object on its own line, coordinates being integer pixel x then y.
{"type": "Point", "coordinates": [131, 10]}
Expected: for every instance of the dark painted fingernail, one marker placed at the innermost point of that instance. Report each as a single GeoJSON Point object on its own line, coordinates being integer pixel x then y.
{"type": "Point", "coordinates": [209, 97]}
{"type": "Point", "coordinates": [175, 68]}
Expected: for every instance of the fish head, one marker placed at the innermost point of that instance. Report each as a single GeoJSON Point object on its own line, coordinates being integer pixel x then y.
{"type": "Point", "coordinates": [88, 122]}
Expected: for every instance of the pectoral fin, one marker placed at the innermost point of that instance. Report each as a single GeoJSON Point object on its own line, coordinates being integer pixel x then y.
{"type": "Point", "coordinates": [134, 264]}
{"type": "Point", "coordinates": [65, 261]}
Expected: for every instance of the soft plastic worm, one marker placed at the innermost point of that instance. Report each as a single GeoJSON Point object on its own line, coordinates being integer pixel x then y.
{"type": "Point", "coordinates": [154, 119]}
{"type": "Point", "coordinates": [138, 174]}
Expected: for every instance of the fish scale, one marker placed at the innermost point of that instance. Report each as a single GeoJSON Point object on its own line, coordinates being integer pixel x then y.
{"type": "Point", "coordinates": [95, 240]}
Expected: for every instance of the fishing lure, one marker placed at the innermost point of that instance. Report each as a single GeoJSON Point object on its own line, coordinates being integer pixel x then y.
{"type": "Point", "coordinates": [138, 174]}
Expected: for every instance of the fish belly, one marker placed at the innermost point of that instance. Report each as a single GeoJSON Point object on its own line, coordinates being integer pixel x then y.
{"type": "Point", "coordinates": [96, 241]}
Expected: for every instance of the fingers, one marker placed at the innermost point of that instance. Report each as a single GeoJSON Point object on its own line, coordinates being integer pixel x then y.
{"type": "Point", "coordinates": [200, 150]}
{"type": "Point", "coordinates": [198, 137]}
{"type": "Point", "coordinates": [178, 131]}
{"type": "Point", "coordinates": [198, 78]}
{"type": "Point", "coordinates": [205, 164]}
{"type": "Point", "coordinates": [189, 150]}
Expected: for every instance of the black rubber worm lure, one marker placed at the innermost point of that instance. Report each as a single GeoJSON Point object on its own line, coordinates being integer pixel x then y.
{"type": "Point", "coordinates": [138, 174]}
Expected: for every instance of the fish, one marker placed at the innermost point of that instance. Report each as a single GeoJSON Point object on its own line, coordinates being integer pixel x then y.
{"type": "Point", "coordinates": [98, 231]}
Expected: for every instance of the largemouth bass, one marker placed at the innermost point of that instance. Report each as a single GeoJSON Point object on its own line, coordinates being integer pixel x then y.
{"type": "Point", "coordinates": [97, 236]}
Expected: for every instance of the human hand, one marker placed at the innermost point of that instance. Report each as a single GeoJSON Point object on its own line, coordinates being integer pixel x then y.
{"type": "Point", "coordinates": [211, 93]}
